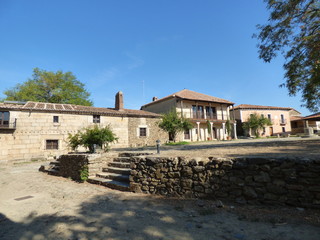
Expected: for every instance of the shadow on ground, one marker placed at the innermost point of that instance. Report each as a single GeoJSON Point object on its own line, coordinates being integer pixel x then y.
{"type": "Point", "coordinates": [141, 218]}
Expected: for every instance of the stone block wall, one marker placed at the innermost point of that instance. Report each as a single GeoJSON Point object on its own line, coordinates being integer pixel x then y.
{"type": "Point", "coordinates": [153, 132]}
{"type": "Point", "coordinates": [71, 165]}
{"type": "Point", "coordinates": [244, 180]}
{"type": "Point", "coordinates": [28, 141]}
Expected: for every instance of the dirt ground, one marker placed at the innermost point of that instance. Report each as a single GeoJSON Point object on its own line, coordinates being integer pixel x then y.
{"type": "Point", "coordinates": [34, 205]}
{"type": "Point", "coordinates": [270, 147]}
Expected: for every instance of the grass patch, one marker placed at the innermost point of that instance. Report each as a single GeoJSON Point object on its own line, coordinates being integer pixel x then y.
{"type": "Point", "coordinates": [272, 137]}
{"type": "Point", "coordinates": [177, 143]}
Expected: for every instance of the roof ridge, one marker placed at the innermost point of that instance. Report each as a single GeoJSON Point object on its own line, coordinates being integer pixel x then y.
{"type": "Point", "coordinates": [193, 95]}
{"type": "Point", "coordinates": [262, 106]}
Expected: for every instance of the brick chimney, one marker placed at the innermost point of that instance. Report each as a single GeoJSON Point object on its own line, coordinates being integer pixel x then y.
{"type": "Point", "coordinates": [119, 101]}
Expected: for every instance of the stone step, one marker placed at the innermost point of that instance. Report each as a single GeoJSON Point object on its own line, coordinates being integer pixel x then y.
{"type": "Point", "coordinates": [132, 154]}
{"type": "Point", "coordinates": [122, 159]}
{"type": "Point", "coordinates": [56, 163]}
{"type": "Point", "coordinates": [124, 171]}
{"type": "Point", "coordinates": [119, 164]}
{"type": "Point", "coordinates": [113, 176]}
{"type": "Point", "coordinates": [122, 186]}
{"type": "Point", "coordinates": [49, 167]}
{"type": "Point", "coordinates": [54, 172]}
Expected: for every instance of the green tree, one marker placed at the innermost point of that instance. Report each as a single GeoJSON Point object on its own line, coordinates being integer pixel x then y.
{"type": "Point", "coordinates": [293, 29]}
{"type": "Point", "coordinates": [256, 123]}
{"type": "Point", "coordinates": [91, 136]}
{"type": "Point", "coordinates": [53, 87]}
{"type": "Point", "coordinates": [173, 124]}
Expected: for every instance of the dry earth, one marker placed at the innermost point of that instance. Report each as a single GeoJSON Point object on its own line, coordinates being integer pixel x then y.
{"type": "Point", "coordinates": [58, 208]}
{"type": "Point", "coordinates": [278, 147]}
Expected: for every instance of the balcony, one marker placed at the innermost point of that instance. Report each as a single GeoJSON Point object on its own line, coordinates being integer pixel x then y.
{"type": "Point", "coordinates": [283, 121]}
{"type": "Point", "coordinates": [202, 116]}
{"type": "Point", "coordinates": [6, 125]}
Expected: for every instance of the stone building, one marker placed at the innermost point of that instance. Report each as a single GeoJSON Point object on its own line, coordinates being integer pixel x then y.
{"type": "Point", "coordinates": [34, 130]}
{"type": "Point", "coordinates": [279, 117]}
{"type": "Point", "coordinates": [208, 114]}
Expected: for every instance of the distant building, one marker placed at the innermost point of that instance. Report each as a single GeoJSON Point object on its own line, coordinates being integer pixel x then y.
{"type": "Point", "coordinates": [279, 117]}
{"type": "Point", "coordinates": [207, 113]}
{"type": "Point", "coordinates": [299, 124]}
{"type": "Point", "coordinates": [34, 130]}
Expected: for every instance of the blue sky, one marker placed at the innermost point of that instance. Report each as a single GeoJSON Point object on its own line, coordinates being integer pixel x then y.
{"type": "Point", "coordinates": [144, 48]}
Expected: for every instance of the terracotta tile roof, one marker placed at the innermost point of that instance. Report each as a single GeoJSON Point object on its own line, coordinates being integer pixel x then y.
{"type": "Point", "coordinates": [315, 117]}
{"type": "Point", "coordinates": [191, 95]}
{"type": "Point", "coordinates": [249, 106]}
{"type": "Point", "coordinates": [76, 109]}
{"type": "Point", "coordinates": [296, 118]}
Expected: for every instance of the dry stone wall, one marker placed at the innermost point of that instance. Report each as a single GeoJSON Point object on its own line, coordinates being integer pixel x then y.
{"type": "Point", "coordinates": [71, 165]}
{"type": "Point", "coordinates": [244, 180]}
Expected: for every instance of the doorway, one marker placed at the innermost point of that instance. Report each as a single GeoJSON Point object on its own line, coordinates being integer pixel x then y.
{"type": "Point", "coordinates": [271, 131]}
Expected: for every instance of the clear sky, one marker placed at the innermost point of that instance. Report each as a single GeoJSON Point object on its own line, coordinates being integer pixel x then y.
{"type": "Point", "coordinates": [144, 48]}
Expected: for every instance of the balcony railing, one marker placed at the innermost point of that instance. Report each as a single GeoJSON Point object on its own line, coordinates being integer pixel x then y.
{"type": "Point", "coordinates": [9, 125]}
{"type": "Point", "coordinates": [201, 115]}
{"type": "Point", "coordinates": [283, 121]}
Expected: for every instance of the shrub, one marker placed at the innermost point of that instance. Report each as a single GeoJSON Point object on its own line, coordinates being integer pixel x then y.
{"type": "Point", "coordinates": [92, 136]}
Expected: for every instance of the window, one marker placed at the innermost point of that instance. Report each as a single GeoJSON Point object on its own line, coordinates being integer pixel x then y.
{"type": "Point", "coordinates": [4, 118]}
{"type": "Point", "coordinates": [194, 111]}
{"type": "Point", "coordinates": [55, 119]}
{"type": "Point", "coordinates": [283, 129]}
{"type": "Point", "coordinates": [269, 117]}
{"type": "Point", "coordinates": [142, 132]}
{"type": "Point", "coordinates": [197, 111]}
{"type": "Point", "coordinates": [211, 112]}
{"type": "Point", "coordinates": [96, 118]}
{"type": "Point", "coordinates": [200, 112]}
{"type": "Point", "coordinates": [52, 144]}
{"type": "Point", "coordinates": [282, 118]}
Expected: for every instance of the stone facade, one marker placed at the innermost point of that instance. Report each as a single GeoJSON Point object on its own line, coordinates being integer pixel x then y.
{"type": "Point", "coordinates": [153, 132]}
{"type": "Point", "coordinates": [244, 180]}
{"type": "Point", "coordinates": [41, 130]}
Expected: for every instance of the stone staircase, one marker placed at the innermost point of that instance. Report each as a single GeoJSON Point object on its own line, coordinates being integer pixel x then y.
{"type": "Point", "coordinates": [116, 174]}
{"type": "Point", "coordinates": [51, 168]}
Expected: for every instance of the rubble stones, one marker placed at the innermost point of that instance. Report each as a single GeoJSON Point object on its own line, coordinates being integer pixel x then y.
{"type": "Point", "coordinates": [246, 180]}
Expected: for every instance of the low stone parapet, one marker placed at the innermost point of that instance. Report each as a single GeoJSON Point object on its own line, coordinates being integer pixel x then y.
{"type": "Point", "coordinates": [245, 180]}
{"type": "Point", "coordinates": [75, 166]}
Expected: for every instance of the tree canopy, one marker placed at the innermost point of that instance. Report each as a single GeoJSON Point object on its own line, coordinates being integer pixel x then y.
{"type": "Point", "coordinates": [53, 87]}
{"type": "Point", "coordinates": [293, 29]}
{"type": "Point", "coordinates": [173, 124]}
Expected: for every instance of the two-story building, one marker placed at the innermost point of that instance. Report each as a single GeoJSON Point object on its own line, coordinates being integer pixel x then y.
{"type": "Point", "coordinates": [279, 117]}
{"type": "Point", "coordinates": [208, 114]}
{"type": "Point", "coordinates": [35, 130]}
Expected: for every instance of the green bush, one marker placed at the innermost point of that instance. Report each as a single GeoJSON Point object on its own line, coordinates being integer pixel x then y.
{"type": "Point", "coordinates": [91, 136]}
{"type": "Point", "coordinates": [84, 173]}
